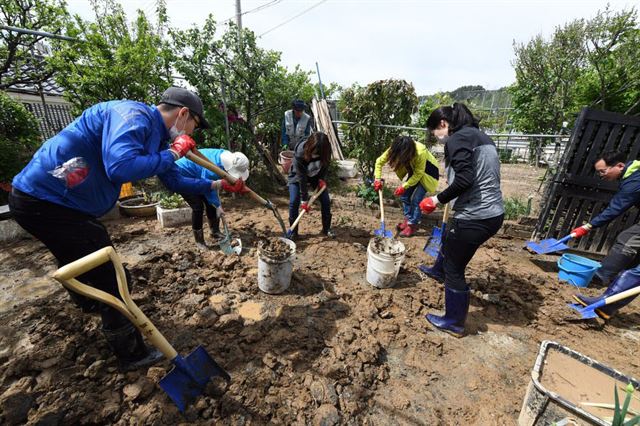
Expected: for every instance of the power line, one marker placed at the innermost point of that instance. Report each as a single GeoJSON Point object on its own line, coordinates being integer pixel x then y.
{"type": "Point", "coordinates": [255, 9]}
{"type": "Point", "coordinates": [293, 17]}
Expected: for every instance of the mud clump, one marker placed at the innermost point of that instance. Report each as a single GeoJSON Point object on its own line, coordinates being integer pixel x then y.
{"type": "Point", "coordinates": [389, 246]}
{"type": "Point", "coordinates": [275, 249]}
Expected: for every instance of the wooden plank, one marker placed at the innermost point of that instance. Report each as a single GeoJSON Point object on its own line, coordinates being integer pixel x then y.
{"type": "Point", "coordinates": [626, 138]}
{"type": "Point", "coordinates": [595, 148]}
{"type": "Point", "coordinates": [635, 148]}
{"type": "Point", "coordinates": [612, 117]}
{"type": "Point", "coordinates": [581, 148]}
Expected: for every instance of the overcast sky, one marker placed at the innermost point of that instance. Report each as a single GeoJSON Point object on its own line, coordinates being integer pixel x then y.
{"type": "Point", "coordinates": [435, 44]}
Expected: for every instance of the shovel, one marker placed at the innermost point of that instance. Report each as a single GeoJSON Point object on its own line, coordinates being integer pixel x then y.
{"type": "Point", "coordinates": [188, 378]}
{"type": "Point", "coordinates": [382, 232]}
{"type": "Point", "coordinates": [549, 245]}
{"type": "Point", "coordinates": [198, 158]}
{"type": "Point", "coordinates": [314, 197]}
{"type": "Point", "coordinates": [589, 311]}
{"type": "Point", "coordinates": [228, 245]}
{"type": "Point", "coordinates": [432, 248]}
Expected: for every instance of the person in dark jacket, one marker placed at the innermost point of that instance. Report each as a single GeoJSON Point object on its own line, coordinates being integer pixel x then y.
{"type": "Point", "coordinates": [473, 172]}
{"type": "Point", "coordinates": [625, 251]}
{"type": "Point", "coordinates": [76, 177]}
{"type": "Point", "coordinates": [309, 168]}
{"type": "Point", "coordinates": [611, 166]}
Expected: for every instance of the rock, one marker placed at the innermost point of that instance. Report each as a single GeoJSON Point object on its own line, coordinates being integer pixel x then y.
{"type": "Point", "coordinates": [156, 373]}
{"type": "Point", "coordinates": [269, 360]}
{"type": "Point", "coordinates": [229, 320]}
{"type": "Point", "coordinates": [95, 369]}
{"type": "Point", "coordinates": [326, 415]}
{"type": "Point", "coordinates": [16, 401]}
{"type": "Point", "coordinates": [138, 390]}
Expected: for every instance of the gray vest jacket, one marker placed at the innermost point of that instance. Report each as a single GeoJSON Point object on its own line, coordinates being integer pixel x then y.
{"type": "Point", "coordinates": [296, 134]}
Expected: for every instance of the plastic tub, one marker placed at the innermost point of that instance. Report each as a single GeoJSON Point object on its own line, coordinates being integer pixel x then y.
{"type": "Point", "coordinates": [274, 275]}
{"type": "Point", "coordinates": [347, 168]}
{"type": "Point", "coordinates": [384, 258]}
{"type": "Point", "coordinates": [577, 270]}
{"type": "Point", "coordinates": [542, 406]}
{"type": "Point", "coordinates": [285, 159]}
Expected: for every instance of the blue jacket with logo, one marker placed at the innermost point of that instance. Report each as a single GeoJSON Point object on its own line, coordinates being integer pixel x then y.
{"type": "Point", "coordinates": [190, 169]}
{"type": "Point", "coordinates": [119, 141]}
{"type": "Point", "coordinates": [628, 195]}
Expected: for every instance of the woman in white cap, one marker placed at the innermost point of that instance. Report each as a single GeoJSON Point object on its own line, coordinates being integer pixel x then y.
{"type": "Point", "coordinates": [234, 163]}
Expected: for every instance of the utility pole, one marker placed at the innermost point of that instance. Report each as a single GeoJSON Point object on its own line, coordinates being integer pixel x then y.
{"type": "Point", "coordinates": [238, 16]}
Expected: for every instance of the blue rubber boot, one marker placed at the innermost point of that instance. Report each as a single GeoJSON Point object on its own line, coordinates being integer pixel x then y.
{"type": "Point", "coordinates": [625, 281]}
{"type": "Point", "coordinates": [437, 270]}
{"type": "Point", "coordinates": [456, 303]}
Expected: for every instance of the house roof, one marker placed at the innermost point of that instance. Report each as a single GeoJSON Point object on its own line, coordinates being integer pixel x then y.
{"type": "Point", "coordinates": [49, 86]}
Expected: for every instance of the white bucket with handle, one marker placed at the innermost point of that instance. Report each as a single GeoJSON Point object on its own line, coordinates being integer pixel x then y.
{"type": "Point", "coordinates": [384, 259]}
{"type": "Point", "coordinates": [274, 273]}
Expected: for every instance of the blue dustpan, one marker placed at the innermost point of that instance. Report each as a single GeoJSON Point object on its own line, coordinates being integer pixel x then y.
{"type": "Point", "coordinates": [190, 376]}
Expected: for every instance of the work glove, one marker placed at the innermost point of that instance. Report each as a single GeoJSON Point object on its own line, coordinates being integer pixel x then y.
{"type": "Point", "coordinates": [399, 191]}
{"type": "Point", "coordinates": [428, 205]}
{"type": "Point", "coordinates": [181, 145]}
{"type": "Point", "coordinates": [581, 231]}
{"type": "Point", "coordinates": [321, 183]}
{"type": "Point", "coordinates": [236, 187]}
{"type": "Point", "coordinates": [378, 184]}
{"type": "Point", "coordinates": [305, 206]}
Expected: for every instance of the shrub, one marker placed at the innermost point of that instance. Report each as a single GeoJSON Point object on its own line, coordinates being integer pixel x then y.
{"type": "Point", "coordinates": [515, 208]}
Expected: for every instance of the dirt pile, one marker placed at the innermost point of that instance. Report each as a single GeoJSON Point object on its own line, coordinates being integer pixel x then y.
{"type": "Point", "coordinates": [275, 249]}
{"type": "Point", "coordinates": [330, 350]}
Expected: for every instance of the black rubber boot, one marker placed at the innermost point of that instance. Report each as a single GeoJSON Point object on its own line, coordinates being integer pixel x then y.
{"type": "Point", "coordinates": [214, 228]}
{"type": "Point", "coordinates": [198, 234]}
{"type": "Point", "coordinates": [614, 263]}
{"type": "Point", "coordinates": [127, 344]}
{"type": "Point", "coordinates": [326, 227]}
{"type": "Point", "coordinates": [456, 304]}
{"type": "Point", "coordinates": [625, 281]}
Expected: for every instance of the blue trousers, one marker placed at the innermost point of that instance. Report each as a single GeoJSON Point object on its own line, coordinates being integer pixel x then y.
{"type": "Point", "coordinates": [411, 201]}
{"type": "Point", "coordinates": [294, 206]}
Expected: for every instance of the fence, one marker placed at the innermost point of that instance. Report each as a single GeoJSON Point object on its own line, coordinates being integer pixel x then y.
{"type": "Point", "coordinates": [540, 150]}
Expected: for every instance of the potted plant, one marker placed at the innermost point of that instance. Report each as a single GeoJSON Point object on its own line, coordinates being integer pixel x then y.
{"type": "Point", "coordinates": [141, 205]}
{"type": "Point", "coordinates": [172, 211]}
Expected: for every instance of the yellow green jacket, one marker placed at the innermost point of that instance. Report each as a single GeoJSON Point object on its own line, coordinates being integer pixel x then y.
{"type": "Point", "coordinates": [418, 165]}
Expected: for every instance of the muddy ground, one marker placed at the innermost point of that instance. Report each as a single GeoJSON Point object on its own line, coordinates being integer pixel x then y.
{"type": "Point", "coordinates": [331, 350]}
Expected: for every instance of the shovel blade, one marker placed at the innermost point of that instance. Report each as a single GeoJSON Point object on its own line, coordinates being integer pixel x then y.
{"type": "Point", "coordinates": [586, 312]}
{"type": "Point", "coordinates": [432, 248]}
{"type": "Point", "coordinates": [382, 232]}
{"type": "Point", "coordinates": [189, 377]}
{"type": "Point", "coordinates": [546, 246]}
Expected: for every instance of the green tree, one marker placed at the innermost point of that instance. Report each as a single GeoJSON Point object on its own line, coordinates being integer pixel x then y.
{"type": "Point", "coordinates": [390, 102]}
{"type": "Point", "coordinates": [114, 59]}
{"type": "Point", "coordinates": [19, 138]}
{"type": "Point", "coordinates": [253, 81]}
{"type": "Point", "coordinates": [21, 55]}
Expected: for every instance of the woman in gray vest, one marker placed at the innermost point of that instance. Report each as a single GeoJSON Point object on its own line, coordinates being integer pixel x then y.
{"type": "Point", "coordinates": [473, 171]}
{"type": "Point", "coordinates": [309, 168]}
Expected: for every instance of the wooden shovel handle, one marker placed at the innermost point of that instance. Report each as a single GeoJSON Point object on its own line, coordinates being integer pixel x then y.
{"type": "Point", "coordinates": [314, 197]}
{"type": "Point", "coordinates": [381, 207]}
{"type": "Point", "coordinates": [198, 158]}
{"type": "Point", "coordinates": [445, 214]}
{"type": "Point", "coordinates": [67, 277]}
{"type": "Point", "coordinates": [622, 295]}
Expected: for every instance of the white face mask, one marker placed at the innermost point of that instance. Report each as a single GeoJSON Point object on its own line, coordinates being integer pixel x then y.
{"type": "Point", "coordinates": [173, 130]}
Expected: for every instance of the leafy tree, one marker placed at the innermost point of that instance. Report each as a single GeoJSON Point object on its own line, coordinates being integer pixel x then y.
{"type": "Point", "coordinates": [19, 138]}
{"type": "Point", "coordinates": [461, 94]}
{"type": "Point", "coordinates": [22, 60]}
{"type": "Point", "coordinates": [390, 102]}
{"type": "Point", "coordinates": [114, 59]}
{"type": "Point", "coordinates": [430, 103]}
{"type": "Point", "coordinates": [253, 80]}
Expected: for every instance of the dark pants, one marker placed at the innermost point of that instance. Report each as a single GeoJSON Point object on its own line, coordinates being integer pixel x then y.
{"type": "Point", "coordinates": [70, 235]}
{"type": "Point", "coordinates": [294, 206]}
{"type": "Point", "coordinates": [463, 238]}
{"type": "Point", "coordinates": [199, 205]}
{"type": "Point", "coordinates": [622, 255]}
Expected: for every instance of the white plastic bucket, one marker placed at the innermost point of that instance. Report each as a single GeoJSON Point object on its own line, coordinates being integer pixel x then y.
{"type": "Point", "coordinates": [274, 275]}
{"type": "Point", "coordinates": [285, 159]}
{"type": "Point", "coordinates": [383, 265]}
{"type": "Point", "coordinates": [347, 168]}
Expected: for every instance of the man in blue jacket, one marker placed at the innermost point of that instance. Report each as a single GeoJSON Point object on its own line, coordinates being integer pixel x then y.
{"type": "Point", "coordinates": [75, 177]}
{"type": "Point", "coordinates": [234, 163]}
{"type": "Point", "coordinates": [296, 125]}
{"type": "Point", "coordinates": [624, 253]}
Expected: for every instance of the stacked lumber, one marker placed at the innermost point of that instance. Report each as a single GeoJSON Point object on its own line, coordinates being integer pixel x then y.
{"type": "Point", "coordinates": [320, 111]}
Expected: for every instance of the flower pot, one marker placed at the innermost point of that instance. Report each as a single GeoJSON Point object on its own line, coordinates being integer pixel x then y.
{"type": "Point", "coordinates": [136, 207]}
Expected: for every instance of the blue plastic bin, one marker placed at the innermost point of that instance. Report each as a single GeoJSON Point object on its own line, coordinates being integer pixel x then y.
{"type": "Point", "coordinates": [577, 270]}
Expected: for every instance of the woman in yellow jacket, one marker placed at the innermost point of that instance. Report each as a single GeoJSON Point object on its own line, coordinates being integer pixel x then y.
{"type": "Point", "coordinates": [407, 157]}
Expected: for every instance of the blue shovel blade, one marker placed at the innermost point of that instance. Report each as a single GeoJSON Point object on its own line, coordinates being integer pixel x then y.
{"type": "Point", "coordinates": [382, 232]}
{"type": "Point", "coordinates": [432, 248]}
{"type": "Point", "coordinates": [189, 377]}
{"type": "Point", "coordinates": [547, 246]}
{"type": "Point", "coordinates": [585, 312]}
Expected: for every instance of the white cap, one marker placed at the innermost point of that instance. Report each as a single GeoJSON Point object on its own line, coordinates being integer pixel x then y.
{"type": "Point", "coordinates": [236, 164]}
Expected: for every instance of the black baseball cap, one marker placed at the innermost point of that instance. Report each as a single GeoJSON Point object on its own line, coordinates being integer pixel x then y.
{"type": "Point", "coordinates": [186, 98]}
